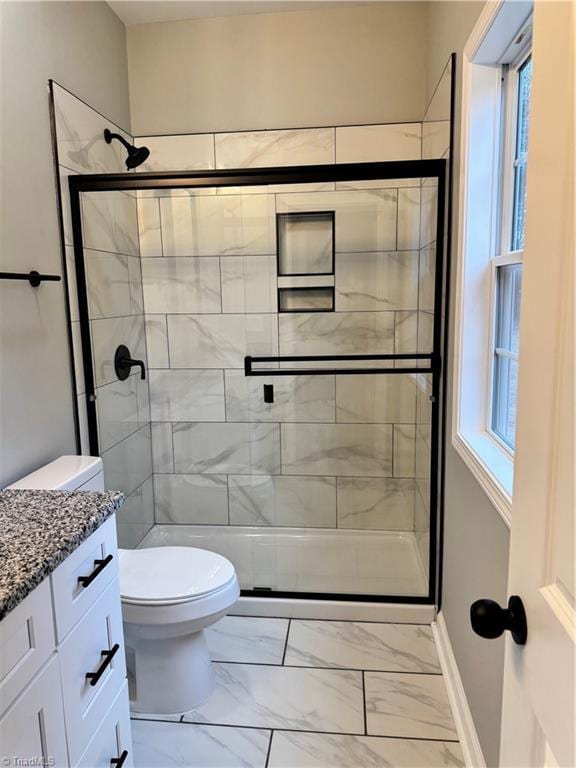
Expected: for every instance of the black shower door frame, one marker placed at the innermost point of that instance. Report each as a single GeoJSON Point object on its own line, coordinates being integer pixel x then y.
{"type": "Point", "coordinates": [308, 174]}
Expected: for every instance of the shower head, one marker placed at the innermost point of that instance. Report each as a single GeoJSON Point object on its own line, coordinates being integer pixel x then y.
{"type": "Point", "coordinates": [136, 155]}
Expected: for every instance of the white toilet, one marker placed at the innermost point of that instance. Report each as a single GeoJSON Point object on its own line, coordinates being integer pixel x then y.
{"type": "Point", "coordinates": [169, 596]}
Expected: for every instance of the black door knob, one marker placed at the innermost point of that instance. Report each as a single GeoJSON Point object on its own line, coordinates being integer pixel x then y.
{"type": "Point", "coordinates": [489, 620]}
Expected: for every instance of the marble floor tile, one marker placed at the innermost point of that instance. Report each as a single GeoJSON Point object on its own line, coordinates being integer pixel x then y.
{"type": "Point", "coordinates": [412, 706]}
{"type": "Point", "coordinates": [247, 639]}
{"type": "Point", "coordinates": [362, 645]}
{"type": "Point", "coordinates": [282, 697]}
{"type": "Point", "coordinates": [161, 744]}
{"type": "Point", "coordinates": [319, 750]}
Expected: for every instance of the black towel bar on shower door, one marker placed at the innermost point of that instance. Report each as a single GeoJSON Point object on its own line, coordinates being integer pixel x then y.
{"type": "Point", "coordinates": [249, 360]}
{"type": "Point", "coordinates": [33, 277]}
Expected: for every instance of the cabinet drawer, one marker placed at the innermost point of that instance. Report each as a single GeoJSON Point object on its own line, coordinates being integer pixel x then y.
{"type": "Point", "coordinates": [88, 651]}
{"type": "Point", "coordinates": [71, 598]}
{"type": "Point", "coordinates": [112, 738]}
{"type": "Point", "coordinates": [32, 730]}
{"type": "Point", "coordinates": [26, 642]}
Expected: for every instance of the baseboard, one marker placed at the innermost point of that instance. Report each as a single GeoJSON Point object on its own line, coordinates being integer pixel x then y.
{"type": "Point", "coordinates": [469, 742]}
{"type": "Point", "coordinates": [342, 610]}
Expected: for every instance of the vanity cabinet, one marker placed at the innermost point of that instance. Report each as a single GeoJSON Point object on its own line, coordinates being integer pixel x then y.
{"type": "Point", "coordinates": [63, 687]}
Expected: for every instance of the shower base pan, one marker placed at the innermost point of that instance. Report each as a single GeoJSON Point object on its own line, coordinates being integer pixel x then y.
{"type": "Point", "coordinates": [316, 561]}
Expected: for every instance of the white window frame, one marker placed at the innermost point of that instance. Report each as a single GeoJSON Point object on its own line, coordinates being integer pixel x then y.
{"type": "Point", "coordinates": [498, 38]}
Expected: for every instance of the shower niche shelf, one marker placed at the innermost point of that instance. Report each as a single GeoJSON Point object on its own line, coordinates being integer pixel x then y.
{"type": "Point", "coordinates": [305, 243]}
{"type": "Point", "coordinates": [307, 299]}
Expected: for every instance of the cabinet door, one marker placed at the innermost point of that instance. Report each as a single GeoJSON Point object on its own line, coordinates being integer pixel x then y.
{"type": "Point", "coordinates": [32, 730]}
{"type": "Point", "coordinates": [112, 740]}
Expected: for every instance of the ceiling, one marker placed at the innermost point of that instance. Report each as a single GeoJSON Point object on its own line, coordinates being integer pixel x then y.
{"type": "Point", "coordinates": [147, 11]}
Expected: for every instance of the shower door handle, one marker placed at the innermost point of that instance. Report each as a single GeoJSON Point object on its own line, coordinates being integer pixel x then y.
{"type": "Point", "coordinates": [123, 363]}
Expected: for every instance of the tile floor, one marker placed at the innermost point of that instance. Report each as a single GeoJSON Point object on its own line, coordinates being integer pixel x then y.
{"type": "Point", "coordinates": [311, 694]}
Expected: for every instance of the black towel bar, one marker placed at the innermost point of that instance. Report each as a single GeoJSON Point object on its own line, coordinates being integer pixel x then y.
{"type": "Point", "coordinates": [33, 277]}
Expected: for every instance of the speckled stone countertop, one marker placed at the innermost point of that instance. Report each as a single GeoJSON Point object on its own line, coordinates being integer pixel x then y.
{"type": "Point", "coordinates": [39, 529]}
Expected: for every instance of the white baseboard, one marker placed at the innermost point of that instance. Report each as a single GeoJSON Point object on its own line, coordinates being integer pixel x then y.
{"type": "Point", "coordinates": [469, 742]}
{"type": "Point", "coordinates": [291, 608]}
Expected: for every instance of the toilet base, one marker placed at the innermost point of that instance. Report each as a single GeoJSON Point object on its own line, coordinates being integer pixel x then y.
{"type": "Point", "coordinates": [168, 675]}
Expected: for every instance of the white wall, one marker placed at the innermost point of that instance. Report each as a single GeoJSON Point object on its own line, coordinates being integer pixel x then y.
{"type": "Point", "coordinates": [280, 70]}
{"type": "Point", "coordinates": [475, 537]}
{"type": "Point", "coordinates": [83, 46]}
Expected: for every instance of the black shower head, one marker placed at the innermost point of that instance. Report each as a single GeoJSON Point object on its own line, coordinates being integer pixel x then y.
{"type": "Point", "coordinates": [136, 155]}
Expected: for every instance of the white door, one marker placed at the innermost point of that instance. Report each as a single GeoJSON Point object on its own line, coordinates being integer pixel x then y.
{"type": "Point", "coordinates": [538, 719]}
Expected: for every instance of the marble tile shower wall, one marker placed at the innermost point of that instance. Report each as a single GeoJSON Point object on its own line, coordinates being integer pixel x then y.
{"type": "Point", "coordinates": [116, 310]}
{"type": "Point", "coordinates": [331, 451]}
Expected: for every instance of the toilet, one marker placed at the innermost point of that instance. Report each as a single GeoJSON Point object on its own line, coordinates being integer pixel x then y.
{"type": "Point", "coordinates": [170, 595]}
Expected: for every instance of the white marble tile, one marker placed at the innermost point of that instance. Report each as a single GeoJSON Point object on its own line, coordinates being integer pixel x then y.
{"type": "Point", "coordinates": [405, 334]}
{"type": "Point", "coordinates": [110, 222]}
{"type": "Point", "coordinates": [157, 341]}
{"type": "Point", "coordinates": [185, 152]}
{"type": "Point", "coordinates": [220, 341]}
{"type": "Point", "coordinates": [282, 501]}
{"type": "Point", "coordinates": [108, 284]}
{"type": "Point", "coordinates": [337, 449]}
{"type": "Point", "coordinates": [181, 285]}
{"type": "Point", "coordinates": [129, 463]}
{"type": "Point", "coordinates": [425, 332]}
{"type": "Point", "coordinates": [149, 231]}
{"type": "Point", "coordinates": [435, 139]}
{"type": "Point", "coordinates": [426, 279]}
{"type": "Point", "coordinates": [191, 499]}
{"type": "Point", "coordinates": [428, 215]}
{"type": "Point", "coordinates": [358, 645]}
{"type": "Point", "coordinates": [186, 395]}
{"type": "Point", "coordinates": [83, 419]}
{"type": "Point", "coordinates": [376, 281]}
{"type": "Point", "coordinates": [365, 218]}
{"type": "Point", "coordinates": [247, 639]}
{"type": "Point", "coordinates": [404, 450]}
{"type": "Point", "coordinates": [63, 174]}
{"type": "Point", "coordinates": [412, 706]}
{"type": "Point", "coordinates": [135, 280]}
{"type": "Point", "coordinates": [80, 137]}
{"type": "Point", "coordinates": [117, 408]}
{"type": "Point", "coordinates": [320, 750]}
{"type": "Point", "coordinates": [161, 744]}
{"type": "Point", "coordinates": [265, 149]}
{"type": "Point", "coordinates": [280, 697]}
{"type": "Point", "coordinates": [296, 398]}
{"type": "Point", "coordinates": [107, 334]}
{"type": "Point", "coordinates": [378, 183]}
{"type": "Point", "coordinates": [248, 283]}
{"type": "Point", "coordinates": [408, 219]}
{"type": "Point", "coordinates": [72, 285]}
{"type": "Point", "coordinates": [136, 515]}
{"type": "Point", "coordinates": [378, 143]}
{"type": "Point", "coordinates": [378, 503]}
{"type": "Point", "coordinates": [162, 454]}
{"type": "Point", "coordinates": [377, 398]}
{"type": "Point", "coordinates": [337, 333]}
{"type": "Point", "coordinates": [78, 358]}
{"type": "Point", "coordinates": [223, 225]}
{"type": "Point", "coordinates": [306, 281]}
{"type": "Point", "coordinates": [226, 448]}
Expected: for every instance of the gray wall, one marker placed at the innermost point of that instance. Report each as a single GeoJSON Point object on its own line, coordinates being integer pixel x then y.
{"type": "Point", "coordinates": [281, 70]}
{"type": "Point", "coordinates": [83, 46]}
{"type": "Point", "coordinates": [476, 539]}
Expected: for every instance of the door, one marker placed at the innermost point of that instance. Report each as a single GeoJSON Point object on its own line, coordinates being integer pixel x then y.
{"type": "Point", "coordinates": [538, 720]}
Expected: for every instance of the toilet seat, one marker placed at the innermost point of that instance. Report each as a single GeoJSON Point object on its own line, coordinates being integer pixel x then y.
{"type": "Point", "coordinates": [165, 576]}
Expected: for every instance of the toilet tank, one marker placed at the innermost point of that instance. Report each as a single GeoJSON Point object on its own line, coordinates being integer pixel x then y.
{"type": "Point", "coordinates": [68, 473]}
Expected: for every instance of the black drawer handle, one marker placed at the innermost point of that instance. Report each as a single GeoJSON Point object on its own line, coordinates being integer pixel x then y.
{"type": "Point", "coordinates": [100, 565]}
{"type": "Point", "coordinates": [119, 761]}
{"type": "Point", "coordinates": [108, 656]}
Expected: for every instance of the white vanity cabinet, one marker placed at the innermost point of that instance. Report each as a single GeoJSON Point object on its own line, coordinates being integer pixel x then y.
{"type": "Point", "coordinates": [63, 688]}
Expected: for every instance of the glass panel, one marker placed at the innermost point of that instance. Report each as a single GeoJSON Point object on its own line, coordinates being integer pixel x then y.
{"type": "Point", "coordinates": [522, 125]}
{"type": "Point", "coordinates": [509, 287]}
{"type": "Point", "coordinates": [311, 483]}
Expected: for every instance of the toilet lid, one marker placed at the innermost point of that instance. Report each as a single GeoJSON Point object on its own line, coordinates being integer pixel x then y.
{"type": "Point", "coordinates": [171, 573]}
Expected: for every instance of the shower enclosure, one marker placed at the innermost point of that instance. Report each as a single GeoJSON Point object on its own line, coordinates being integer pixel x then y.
{"type": "Point", "coordinates": [262, 367]}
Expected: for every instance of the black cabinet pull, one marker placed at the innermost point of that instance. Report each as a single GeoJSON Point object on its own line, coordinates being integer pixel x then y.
{"type": "Point", "coordinates": [94, 677]}
{"type": "Point", "coordinates": [100, 565]}
{"type": "Point", "coordinates": [119, 761]}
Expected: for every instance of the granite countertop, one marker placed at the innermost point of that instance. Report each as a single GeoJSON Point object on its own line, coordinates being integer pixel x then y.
{"type": "Point", "coordinates": [39, 529]}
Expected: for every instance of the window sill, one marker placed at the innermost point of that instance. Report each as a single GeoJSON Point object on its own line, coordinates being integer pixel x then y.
{"type": "Point", "coordinates": [492, 467]}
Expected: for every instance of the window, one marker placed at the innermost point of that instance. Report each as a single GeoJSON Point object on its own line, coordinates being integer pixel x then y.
{"type": "Point", "coordinates": [507, 265]}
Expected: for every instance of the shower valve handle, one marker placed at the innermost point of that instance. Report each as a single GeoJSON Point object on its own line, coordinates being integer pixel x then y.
{"type": "Point", "coordinates": [123, 363]}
